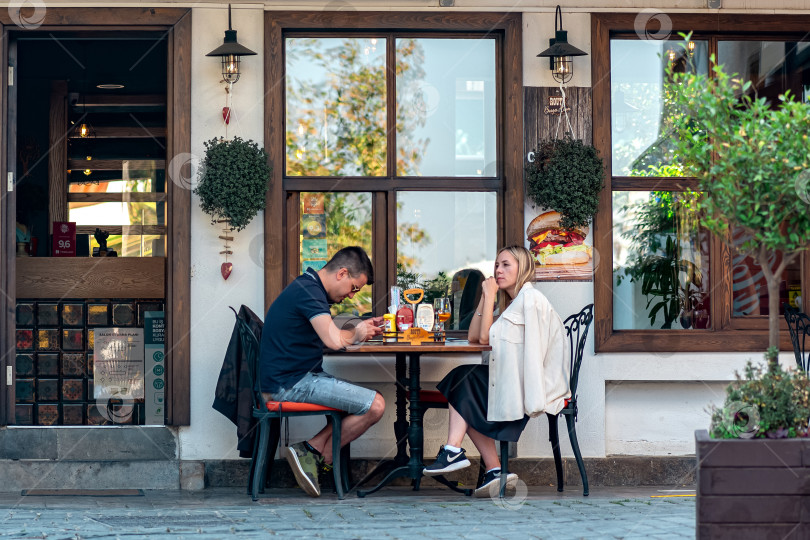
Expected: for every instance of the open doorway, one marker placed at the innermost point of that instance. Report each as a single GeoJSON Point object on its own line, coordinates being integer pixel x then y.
{"type": "Point", "coordinates": [91, 116]}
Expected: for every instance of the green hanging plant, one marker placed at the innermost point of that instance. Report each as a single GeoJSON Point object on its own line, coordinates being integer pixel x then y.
{"type": "Point", "coordinates": [233, 181]}
{"type": "Point", "coordinates": [566, 176]}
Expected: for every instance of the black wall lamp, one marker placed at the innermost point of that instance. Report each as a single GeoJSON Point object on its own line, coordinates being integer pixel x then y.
{"type": "Point", "coordinates": [560, 52]}
{"type": "Point", "coordinates": [230, 52]}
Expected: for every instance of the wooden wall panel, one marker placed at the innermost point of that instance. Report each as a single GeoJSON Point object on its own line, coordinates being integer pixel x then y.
{"type": "Point", "coordinates": [85, 277]}
{"type": "Point", "coordinates": [538, 125]}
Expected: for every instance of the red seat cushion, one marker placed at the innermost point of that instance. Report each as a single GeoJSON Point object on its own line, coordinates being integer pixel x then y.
{"type": "Point", "coordinates": [432, 396]}
{"type": "Point", "coordinates": [292, 406]}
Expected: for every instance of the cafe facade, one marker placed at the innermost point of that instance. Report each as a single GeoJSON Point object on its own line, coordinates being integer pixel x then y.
{"type": "Point", "coordinates": [403, 127]}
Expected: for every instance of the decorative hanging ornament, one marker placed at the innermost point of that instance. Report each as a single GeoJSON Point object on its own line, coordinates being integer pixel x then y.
{"type": "Point", "coordinates": [226, 115]}
{"type": "Point", "coordinates": [226, 267]}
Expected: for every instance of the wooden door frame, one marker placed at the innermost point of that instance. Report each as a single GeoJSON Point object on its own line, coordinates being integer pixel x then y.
{"type": "Point", "coordinates": [176, 22]}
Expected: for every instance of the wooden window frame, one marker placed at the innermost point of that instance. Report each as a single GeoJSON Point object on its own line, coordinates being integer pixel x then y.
{"type": "Point", "coordinates": [176, 22]}
{"type": "Point", "coordinates": [283, 202]}
{"type": "Point", "coordinates": [726, 334]}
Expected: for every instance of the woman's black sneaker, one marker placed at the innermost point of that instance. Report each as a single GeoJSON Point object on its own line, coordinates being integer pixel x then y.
{"type": "Point", "coordinates": [491, 484]}
{"type": "Point", "coordinates": [447, 461]}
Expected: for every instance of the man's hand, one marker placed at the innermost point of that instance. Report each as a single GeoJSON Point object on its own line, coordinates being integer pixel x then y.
{"type": "Point", "coordinates": [335, 338]}
{"type": "Point", "coordinates": [367, 329]}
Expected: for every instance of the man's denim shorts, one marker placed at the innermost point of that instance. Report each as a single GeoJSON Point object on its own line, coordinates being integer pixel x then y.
{"type": "Point", "coordinates": [324, 389]}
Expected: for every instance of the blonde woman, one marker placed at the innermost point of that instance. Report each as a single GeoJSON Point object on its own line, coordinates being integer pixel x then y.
{"type": "Point", "coordinates": [527, 373]}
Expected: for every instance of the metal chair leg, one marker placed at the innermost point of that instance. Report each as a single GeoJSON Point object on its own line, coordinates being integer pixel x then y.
{"type": "Point", "coordinates": [504, 467]}
{"type": "Point", "coordinates": [261, 459]}
{"type": "Point", "coordinates": [275, 439]}
{"type": "Point", "coordinates": [572, 436]}
{"type": "Point", "coordinates": [336, 458]}
{"type": "Point", "coordinates": [554, 439]}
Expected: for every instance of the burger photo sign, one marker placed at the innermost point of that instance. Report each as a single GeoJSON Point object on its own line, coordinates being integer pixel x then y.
{"type": "Point", "coordinates": [559, 253]}
{"type": "Point", "coordinates": [563, 178]}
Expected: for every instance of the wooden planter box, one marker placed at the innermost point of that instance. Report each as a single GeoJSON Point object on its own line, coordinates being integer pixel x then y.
{"type": "Point", "coordinates": [757, 489]}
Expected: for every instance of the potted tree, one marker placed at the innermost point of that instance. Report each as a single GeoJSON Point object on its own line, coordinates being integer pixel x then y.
{"type": "Point", "coordinates": [751, 161]}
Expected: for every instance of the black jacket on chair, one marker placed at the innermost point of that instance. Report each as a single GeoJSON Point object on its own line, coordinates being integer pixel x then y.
{"type": "Point", "coordinates": [234, 396]}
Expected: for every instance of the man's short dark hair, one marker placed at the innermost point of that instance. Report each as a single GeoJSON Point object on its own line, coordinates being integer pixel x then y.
{"type": "Point", "coordinates": [355, 260]}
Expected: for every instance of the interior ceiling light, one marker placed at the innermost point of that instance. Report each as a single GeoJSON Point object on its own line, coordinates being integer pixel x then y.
{"type": "Point", "coordinates": [110, 86]}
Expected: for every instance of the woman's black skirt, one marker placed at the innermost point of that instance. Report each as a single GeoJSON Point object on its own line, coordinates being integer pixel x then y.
{"type": "Point", "coordinates": [466, 389]}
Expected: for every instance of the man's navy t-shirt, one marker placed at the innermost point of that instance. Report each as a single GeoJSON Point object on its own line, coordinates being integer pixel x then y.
{"type": "Point", "coordinates": [290, 346]}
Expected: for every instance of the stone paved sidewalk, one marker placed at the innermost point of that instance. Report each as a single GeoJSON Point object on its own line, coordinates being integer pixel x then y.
{"type": "Point", "coordinates": [608, 513]}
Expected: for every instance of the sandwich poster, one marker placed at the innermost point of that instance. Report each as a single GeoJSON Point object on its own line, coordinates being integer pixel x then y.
{"type": "Point", "coordinates": [560, 254]}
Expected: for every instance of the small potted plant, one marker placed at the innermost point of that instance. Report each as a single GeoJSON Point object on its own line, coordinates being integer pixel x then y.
{"type": "Point", "coordinates": [233, 181]}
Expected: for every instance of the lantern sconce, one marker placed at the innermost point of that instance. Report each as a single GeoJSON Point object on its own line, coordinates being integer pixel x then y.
{"type": "Point", "coordinates": [560, 52]}
{"type": "Point", "coordinates": [230, 51]}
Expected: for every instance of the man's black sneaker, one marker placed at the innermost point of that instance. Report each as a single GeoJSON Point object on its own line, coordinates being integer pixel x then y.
{"type": "Point", "coordinates": [447, 461]}
{"type": "Point", "coordinates": [491, 484]}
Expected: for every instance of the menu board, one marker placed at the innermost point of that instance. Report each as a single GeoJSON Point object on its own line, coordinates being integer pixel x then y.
{"type": "Point", "coordinates": [314, 247]}
{"type": "Point", "coordinates": [118, 363]}
{"type": "Point", "coordinates": [154, 402]}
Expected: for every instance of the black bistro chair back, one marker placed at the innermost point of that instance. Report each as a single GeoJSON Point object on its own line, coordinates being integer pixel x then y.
{"type": "Point", "coordinates": [268, 416]}
{"type": "Point", "coordinates": [799, 327]}
{"type": "Point", "coordinates": [576, 330]}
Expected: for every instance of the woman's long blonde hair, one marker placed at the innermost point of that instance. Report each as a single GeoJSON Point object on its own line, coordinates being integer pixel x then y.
{"type": "Point", "coordinates": [526, 268]}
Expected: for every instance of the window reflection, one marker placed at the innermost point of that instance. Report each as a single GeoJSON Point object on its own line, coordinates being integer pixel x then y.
{"type": "Point", "coordinates": [660, 262]}
{"type": "Point", "coordinates": [772, 67]}
{"type": "Point", "coordinates": [329, 222]}
{"type": "Point", "coordinates": [446, 244]}
{"type": "Point", "coordinates": [749, 287]}
{"type": "Point", "coordinates": [640, 125]}
{"type": "Point", "coordinates": [446, 107]}
{"type": "Point", "coordinates": [335, 106]}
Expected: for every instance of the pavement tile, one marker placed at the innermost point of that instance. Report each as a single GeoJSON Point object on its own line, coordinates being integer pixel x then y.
{"type": "Point", "coordinates": [617, 513]}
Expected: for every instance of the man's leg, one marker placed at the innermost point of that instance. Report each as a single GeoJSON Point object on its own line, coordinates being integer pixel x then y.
{"type": "Point", "coordinates": [351, 428]}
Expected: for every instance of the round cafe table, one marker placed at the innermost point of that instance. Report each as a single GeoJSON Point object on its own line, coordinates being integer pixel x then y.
{"type": "Point", "coordinates": [408, 462]}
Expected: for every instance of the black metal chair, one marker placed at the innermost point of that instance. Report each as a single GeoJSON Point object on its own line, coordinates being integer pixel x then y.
{"type": "Point", "coordinates": [799, 327]}
{"type": "Point", "coordinates": [268, 416]}
{"type": "Point", "coordinates": [576, 329]}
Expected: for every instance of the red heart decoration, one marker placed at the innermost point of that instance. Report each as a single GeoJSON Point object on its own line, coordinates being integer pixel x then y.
{"type": "Point", "coordinates": [226, 269]}
{"type": "Point", "coordinates": [226, 115]}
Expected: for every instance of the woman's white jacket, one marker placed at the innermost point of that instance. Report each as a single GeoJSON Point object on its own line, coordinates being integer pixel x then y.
{"type": "Point", "coordinates": [528, 368]}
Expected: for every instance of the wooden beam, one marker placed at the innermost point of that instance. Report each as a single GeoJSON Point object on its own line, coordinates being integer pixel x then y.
{"type": "Point", "coordinates": [113, 165]}
{"type": "Point", "coordinates": [97, 16]}
{"type": "Point", "coordinates": [125, 132]}
{"type": "Point", "coordinates": [89, 277]}
{"type": "Point", "coordinates": [116, 197]}
{"type": "Point", "coordinates": [57, 155]}
{"type": "Point", "coordinates": [135, 230]}
{"type": "Point", "coordinates": [178, 323]}
{"type": "Point", "coordinates": [123, 100]}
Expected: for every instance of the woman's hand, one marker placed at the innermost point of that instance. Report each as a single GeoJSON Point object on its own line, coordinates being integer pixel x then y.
{"type": "Point", "coordinates": [490, 288]}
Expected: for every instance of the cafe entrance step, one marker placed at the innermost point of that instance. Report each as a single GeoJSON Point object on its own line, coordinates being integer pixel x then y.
{"type": "Point", "coordinates": [90, 458]}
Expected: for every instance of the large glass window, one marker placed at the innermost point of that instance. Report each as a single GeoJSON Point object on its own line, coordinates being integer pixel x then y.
{"type": "Point", "coordinates": [397, 129]}
{"type": "Point", "coordinates": [667, 275]}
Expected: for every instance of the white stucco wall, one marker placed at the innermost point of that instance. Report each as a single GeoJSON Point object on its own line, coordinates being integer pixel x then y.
{"type": "Point", "coordinates": [211, 435]}
{"type": "Point", "coordinates": [634, 403]}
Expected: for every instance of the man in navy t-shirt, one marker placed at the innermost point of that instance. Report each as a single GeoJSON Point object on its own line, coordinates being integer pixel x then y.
{"type": "Point", "coordinates": [297, 327]}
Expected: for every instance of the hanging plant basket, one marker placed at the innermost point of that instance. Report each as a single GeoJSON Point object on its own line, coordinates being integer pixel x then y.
{"type": "Point", "coordinates": [233, 181]}
{"type": "Point", "coordinates": [566, 176]}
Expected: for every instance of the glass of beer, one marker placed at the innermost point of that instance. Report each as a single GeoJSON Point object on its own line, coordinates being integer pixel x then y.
{"type": "Point", "coordinates": [441, 307]}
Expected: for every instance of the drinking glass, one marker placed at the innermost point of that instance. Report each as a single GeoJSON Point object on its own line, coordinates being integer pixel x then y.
{"type": "Point", "coordinates": [441, 307]}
